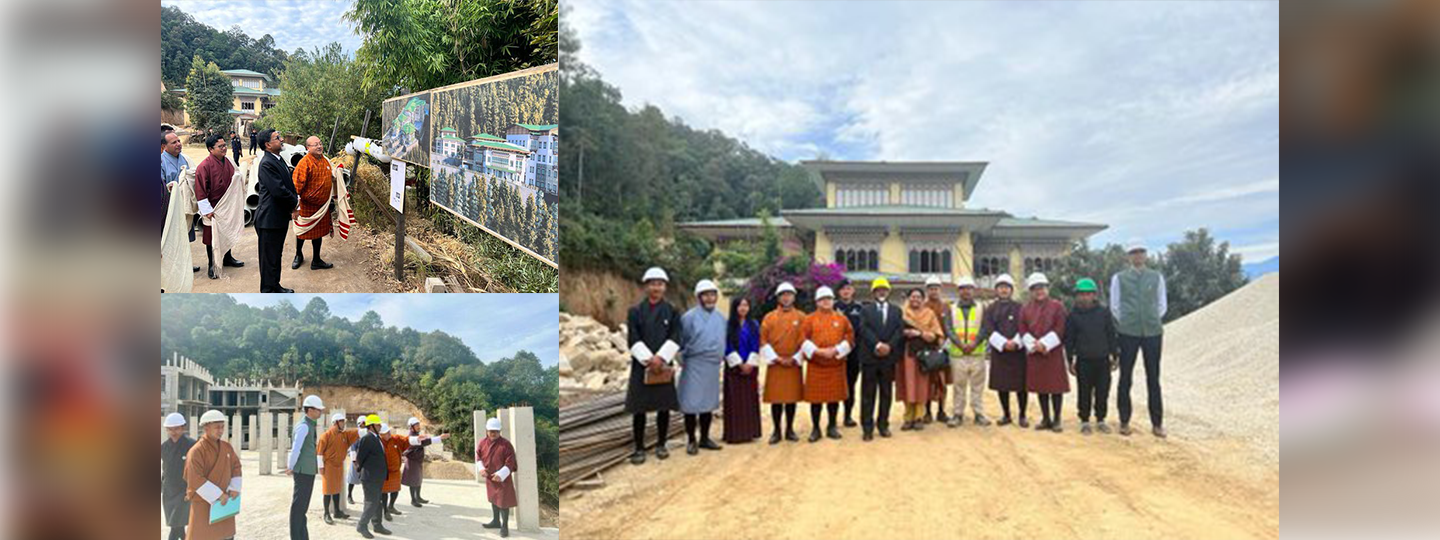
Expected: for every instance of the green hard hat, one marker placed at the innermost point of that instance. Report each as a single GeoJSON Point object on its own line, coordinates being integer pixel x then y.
{"type": "Point", "coordinates": [1085, 285]}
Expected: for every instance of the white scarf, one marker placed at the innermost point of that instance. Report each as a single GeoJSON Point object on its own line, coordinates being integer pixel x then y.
{"type": "Point", "coordinates": [229, 218]}
{"type": "Point", "coordinates": [176, 275]}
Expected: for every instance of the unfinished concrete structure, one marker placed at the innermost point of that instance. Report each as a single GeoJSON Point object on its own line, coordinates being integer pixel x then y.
{"type": "Point", "coordinates": [243, 400]}
{"type": "Point", "coordinates": [184, 388]}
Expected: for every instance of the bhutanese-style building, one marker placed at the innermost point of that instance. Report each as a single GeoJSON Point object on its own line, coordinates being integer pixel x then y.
{"type": "Point", "coordinates": [909, 221]}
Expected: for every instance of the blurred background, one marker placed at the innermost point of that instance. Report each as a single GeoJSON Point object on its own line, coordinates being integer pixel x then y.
{"type": "Point", "coordinates": [1360, 372]}
{"type": "Point", "coordinates": [1360, 376]}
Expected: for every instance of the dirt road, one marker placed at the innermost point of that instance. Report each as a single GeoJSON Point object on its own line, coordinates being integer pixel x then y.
{"type": "Point", "coordinates": [457, 509]}
{"type": "Point", "coordinates": [942, 483]}
{"type": "Point", "coordinates": [354, 258]}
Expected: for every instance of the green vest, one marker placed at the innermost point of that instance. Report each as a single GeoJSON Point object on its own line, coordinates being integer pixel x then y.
{"type": "Point", "coordinates": [1140, 303]}
{"type": "Point", "coordinates": [967, 328]}
{"type": "Point", "coordinates": [305, 464]}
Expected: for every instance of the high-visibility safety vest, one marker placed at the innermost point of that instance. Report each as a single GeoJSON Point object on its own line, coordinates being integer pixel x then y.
{"type": "Point", "coordinates": [967, 328]}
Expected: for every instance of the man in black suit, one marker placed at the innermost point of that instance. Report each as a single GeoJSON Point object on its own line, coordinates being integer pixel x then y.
{"type": "Point", "coordinates": [370, 465]}
{"type": "Point", "coordinates": [277, 207]}
{"type": "Point", "coordinates": [882, 342]}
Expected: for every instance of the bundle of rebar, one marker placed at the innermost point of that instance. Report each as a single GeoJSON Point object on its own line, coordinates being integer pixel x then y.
{"type": "Point", "coordinates": [596, 435]}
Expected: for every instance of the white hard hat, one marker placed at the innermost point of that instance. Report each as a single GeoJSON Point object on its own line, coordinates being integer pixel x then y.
{"type": "Point", "coordinates": [313, 401]}
{"type": "Point", "coordinates": [705, 285]}
{"type": "Point", "coordinates": [492, 424]}
{"type": "Point", "coordinates": [965, 281]}
{"type": "Point", "coordinates": [784, 288]}
{"type": "Point", "coordinates": [1134, 244]}
{"type": "Point", "coordinates": [337, 417]}
{"type": "Point", "coordinates": [384, 428]}
{"type": "Point", "coordinates": [1006, 279]}
{"type": "Point", "coordinates": [655, 272]}
{"type": "Point", "coordinates": [174, 419]}
{"type": "Point", "coordinates": [824, 292]}
{"type": "Point", "coordinates": [212, 415]}
{"type": "Point", "coordinates": [1036, 279]}
{"type": "Point", "coordinates": [932, 280]}
{"type": "Point", "coordinates": [412, 421]}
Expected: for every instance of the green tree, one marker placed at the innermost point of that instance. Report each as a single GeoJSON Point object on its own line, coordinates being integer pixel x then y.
{"type": "Point", "coordinates": [1198, 271]}
{"type": "Point", "coordinates": [317, 87]}
{"type": "Point", "coordinates": [211, 96]}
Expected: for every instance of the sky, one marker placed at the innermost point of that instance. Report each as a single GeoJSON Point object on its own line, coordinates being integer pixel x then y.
{"type": "Point", "coordinates": [306, 24]}
{"type": "Point", "coordinates": [1151, 117]}
{"type": "Point", "coordinates": [494, 326]}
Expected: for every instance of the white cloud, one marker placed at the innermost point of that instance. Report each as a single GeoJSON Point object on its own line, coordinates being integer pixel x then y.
{"type": "Point", "coordinates": [307, 24]}
{"type": "Point", "coordinates": [1151, 117]}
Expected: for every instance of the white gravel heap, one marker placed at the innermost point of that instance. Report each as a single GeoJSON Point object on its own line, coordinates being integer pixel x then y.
{"type": "Point", "coordinates": [1220, 370]}
{"type": "Point", "coordinates": [592, 357]}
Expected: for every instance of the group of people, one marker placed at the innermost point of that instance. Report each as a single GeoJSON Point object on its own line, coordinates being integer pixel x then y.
{"type": "Point", "coordinates": [190, 469]}
{"type": "Point", "coordinates": [304, 197]}
{"type": "Point", "coordinates": [912, 352]}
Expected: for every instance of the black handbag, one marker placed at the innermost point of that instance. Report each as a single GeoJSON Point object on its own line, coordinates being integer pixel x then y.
{"type": "Point", "coordinates": [932, 360]}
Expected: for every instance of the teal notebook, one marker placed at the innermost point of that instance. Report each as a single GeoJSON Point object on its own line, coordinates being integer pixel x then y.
{"type": "Point", "coordinates": [219, 512]}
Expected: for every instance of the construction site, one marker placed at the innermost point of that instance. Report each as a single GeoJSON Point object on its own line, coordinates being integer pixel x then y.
{"type": "Point", "coordinates": [261, 415]}
{"type": "Point", "coordinates": [1217, 475]}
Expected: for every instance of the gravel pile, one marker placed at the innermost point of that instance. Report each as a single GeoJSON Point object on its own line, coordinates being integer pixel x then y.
{"type": "Point", "coordinates": [1221, 370]}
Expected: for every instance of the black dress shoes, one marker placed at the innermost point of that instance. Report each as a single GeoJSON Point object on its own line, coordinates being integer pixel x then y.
{"type": "Point", "coordinates": [320, 265]}
{"type": "Point", "coordinates": [295, 264]}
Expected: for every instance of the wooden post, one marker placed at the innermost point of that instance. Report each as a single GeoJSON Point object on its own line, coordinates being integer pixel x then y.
{"type": "Point", "coordinates": [400, 239]}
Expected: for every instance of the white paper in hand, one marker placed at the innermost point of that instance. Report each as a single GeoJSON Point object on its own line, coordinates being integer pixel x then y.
{"type": "Point", "coordinates": [210, 492]}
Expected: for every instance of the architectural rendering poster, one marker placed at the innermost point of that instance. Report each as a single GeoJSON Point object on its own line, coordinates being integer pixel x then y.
{"type": "Point", "coordinates": [493, 150]}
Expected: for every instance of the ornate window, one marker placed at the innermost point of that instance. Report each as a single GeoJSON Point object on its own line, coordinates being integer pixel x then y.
{"type": "Point", "coordinates": [858, 259]}
{"type": "Point", "coordinates": [930, 261]}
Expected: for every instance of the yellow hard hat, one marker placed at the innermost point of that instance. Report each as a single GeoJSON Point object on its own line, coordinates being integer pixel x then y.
{"type": "Point", "coordinates": [372, 420]}
{"type": "Point", "coordinates": [879, 283]}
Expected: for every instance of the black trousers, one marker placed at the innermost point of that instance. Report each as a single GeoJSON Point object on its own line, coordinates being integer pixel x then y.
{"type": "Point", "coordinates": [272, 244]}
{"type": "Point", "coordinates": [876, 378]}
{"type": "Point", "coordinates": [662, 426]}
{"type": "Point", "coordinates": [374, 506]}
{"type": "Point", "coordinates": [1092, 376]}
{"type": "Point", "coordinates": [852, 374]}
{"type": "Point", "coordinates": [299, 503]}
{"type": "Point", "coordinates": [237, 157]}
{"type": "Point", "coordinates": [1150, 347]}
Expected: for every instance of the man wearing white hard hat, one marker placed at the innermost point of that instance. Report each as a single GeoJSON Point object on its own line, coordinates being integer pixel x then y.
{"type": "Point", "coordinates": [172, 474]}
{"type": "Point", "coordinates": [332, 447]}
{"type": "Point", "coordinates": [495, 457]}
{"type": "Point", "coordinates": [653, 328]}
{"type": "Point", "coordinates": [1042, 329]}
{"type": "Point", "coordinates": [212, 475]}
{"type": "Point", "coordinates": [412, 477]}
{"type": "Point", "coordinates": [1138, 302]}
{"type": "Point", "coordinates": [829, 339]}
{"type": "Point", "coordinates": [967, 354]}
{"type": "Point", "coordinates": [780, 342]}
{"type": "Point", "coordinates": [303, 466]}
{"type": "Point", "coordinates": [1000, 330]}
{"type": "Point", "coordinates": [702, 347]}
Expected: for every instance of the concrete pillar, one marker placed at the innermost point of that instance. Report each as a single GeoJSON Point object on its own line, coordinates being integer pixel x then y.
{"type": "Point", "coordinates": [478, 423]}
{"type": "Point", "coordinates": [519, 427]}
{"type": "Point", "coordinates": [267, 432]}
{"type": "Point", "coordinates": [194, 424]}
{"type": "Point", "coordinates": [1017, 271]}
{"type": "Point", "coordinates": [236, 436]}
{"type": "Point", "coordinates": [254, 442]}
{"type": "Point", "coordinates": [283, 436]}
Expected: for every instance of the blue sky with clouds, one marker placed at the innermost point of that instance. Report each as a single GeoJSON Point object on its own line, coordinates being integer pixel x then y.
{"type": "Point", "coordinates": [495, 326]}
{"type": "Point", "coordinates": [306, 24]}
{"type": "Point", "coordinates": [1152, 117]}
